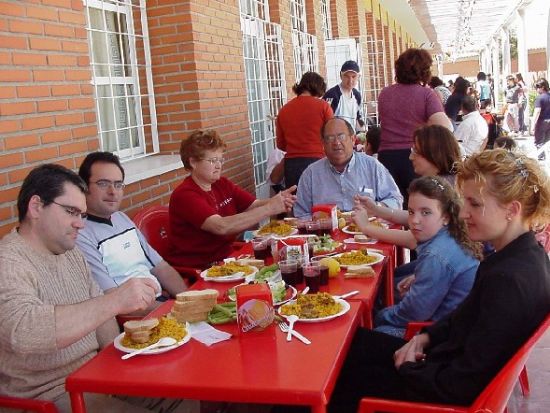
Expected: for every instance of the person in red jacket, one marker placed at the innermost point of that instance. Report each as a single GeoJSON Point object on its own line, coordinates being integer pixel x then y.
{"type": "Point", "coordinates": [299, 125]}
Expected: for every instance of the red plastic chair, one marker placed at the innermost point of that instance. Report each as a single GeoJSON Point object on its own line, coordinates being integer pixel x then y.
{"type": "Point", "coordinates": [42, 406]}
{"type": "Point", "coordinates": [153, 223]}
{"type": "Point", "coordinates": [493, 399]}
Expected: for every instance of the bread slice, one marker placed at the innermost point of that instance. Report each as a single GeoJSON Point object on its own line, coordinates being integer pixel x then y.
{"type": "Point", "coordinates": [251, 261]}
{"type": "Point", "coordinates": [359, 271]}
{"type": "Point", "coordinates": [140, 336]}
{"type": "Point", "coordinates": [133, 326]}
{"type": "Point", "coordinates": [190, 317]}
{"type": "Point", "coordinates": [197, 295]}
{"type": "Point", "coordinates": [360, 238]}
{"type": "Point", "coordinates": [194, 306]}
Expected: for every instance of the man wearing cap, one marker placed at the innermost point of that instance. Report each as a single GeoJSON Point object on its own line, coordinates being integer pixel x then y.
{"type": "Point", "coordinates": [344, 99]}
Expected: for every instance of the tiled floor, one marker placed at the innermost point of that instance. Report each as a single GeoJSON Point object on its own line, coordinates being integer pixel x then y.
{"type": "Point", "coordinates": [538, 368]}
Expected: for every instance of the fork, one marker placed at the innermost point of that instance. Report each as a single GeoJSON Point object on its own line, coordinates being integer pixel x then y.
{"type": "Point", "coordinates": [284, 328]}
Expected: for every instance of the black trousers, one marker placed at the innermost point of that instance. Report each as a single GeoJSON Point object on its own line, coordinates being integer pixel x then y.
{"type": "Point", "coordinates": [294, 167]}
{"type": "Point", "coordinates": [397, 162]}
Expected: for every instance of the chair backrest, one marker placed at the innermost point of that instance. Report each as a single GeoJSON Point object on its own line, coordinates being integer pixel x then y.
{"type": "Point", "coordinates": [153, 223]}
{"type": "Point", "coordinates": [495, 396]}
{"type": "Point", "coordinates": [544, 238]}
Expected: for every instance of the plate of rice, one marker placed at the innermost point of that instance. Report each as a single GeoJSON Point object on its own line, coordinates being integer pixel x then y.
{"type": "Point", "coordinates": [228, 272]}
{"type": "Point", "coordinates": [168, 327]}
{"type": "Point", "coordinates": [276, 228]}
{"type": "Point", "coordinates": [358, 257]}
{"type": "Point", "coordinates": [315, 308]}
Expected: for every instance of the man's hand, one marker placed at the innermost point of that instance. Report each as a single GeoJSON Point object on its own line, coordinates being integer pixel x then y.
{"type": "Point", "coordinates": [136, 294]}
{"type": "Point", "coordinates": [412, 351]}
{"type": "Point", "coordinates": [405, 285]}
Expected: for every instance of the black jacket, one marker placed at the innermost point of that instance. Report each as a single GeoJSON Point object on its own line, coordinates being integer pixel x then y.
{"type": "Point", "coordinates": [509, 300]}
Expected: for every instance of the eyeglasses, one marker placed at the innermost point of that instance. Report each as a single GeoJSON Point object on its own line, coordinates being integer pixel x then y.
{"type": "Point", "coordinates": [105, 183]}
{"type": "Point", "coordinates": [72, 211]}
{"type": "Point", "coordinates": [341, 137]}
{"type": "Point", "coordinates": [214, 161]}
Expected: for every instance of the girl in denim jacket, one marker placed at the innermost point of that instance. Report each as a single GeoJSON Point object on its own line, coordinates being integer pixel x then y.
{"type": "Point", "coordinates": [447, 259]}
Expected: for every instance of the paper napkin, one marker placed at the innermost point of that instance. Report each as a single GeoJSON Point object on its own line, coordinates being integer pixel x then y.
{"type": "Point", "coordinates": [207, 334]}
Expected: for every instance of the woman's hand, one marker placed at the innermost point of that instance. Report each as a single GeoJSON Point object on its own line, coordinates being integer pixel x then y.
{"type": "Point", "coordinates": [405, 285]}
{"type": "Point", "coordinates": [412, 351]}
{"type": "Point", "coordinates": [282, 202]}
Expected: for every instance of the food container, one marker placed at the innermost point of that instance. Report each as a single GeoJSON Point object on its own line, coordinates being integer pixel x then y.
{"type": "Point", "coordinates": [254, 307]}
{"type": "Point", "coordinates": [327, 214]}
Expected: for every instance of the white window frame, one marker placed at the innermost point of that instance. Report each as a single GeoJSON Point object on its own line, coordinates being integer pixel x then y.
{"type": "Point", "coordinates": [326, 19]}
{"type": "Point", "coordinates": [305, 49]}
{"type": "Point", "coordinates": [126, 8]}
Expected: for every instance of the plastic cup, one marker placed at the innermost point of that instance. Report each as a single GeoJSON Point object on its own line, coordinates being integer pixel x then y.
{"type": "Point", "coordinates": [289, 270]}
{"type": "Point", "coordinates": [313, 227]}
{"type": "Point", "coordinates": [261, 248]}
{"type": "Point", "coordinates": [312, 277]}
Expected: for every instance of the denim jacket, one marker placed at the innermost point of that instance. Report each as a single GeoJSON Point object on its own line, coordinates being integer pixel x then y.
{"type": "Point", "coordinates": [444, 275]}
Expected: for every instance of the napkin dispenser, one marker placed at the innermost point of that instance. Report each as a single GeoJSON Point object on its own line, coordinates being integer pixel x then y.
{"type": "Point", "coordinates": [254, 307]}
{"type": "Point", "coordinates": [291, 248]}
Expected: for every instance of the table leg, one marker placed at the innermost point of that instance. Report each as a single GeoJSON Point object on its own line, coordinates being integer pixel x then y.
{"type": "Point", "coordinates": [390, 268]}
{"type": "Point", "coordinates": [77, 402]}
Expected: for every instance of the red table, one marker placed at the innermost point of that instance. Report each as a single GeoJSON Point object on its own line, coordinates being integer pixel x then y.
{"type": "Point", "coordinates": [367, 287]}
{"type": "Point", "coordinates": [253, 368]}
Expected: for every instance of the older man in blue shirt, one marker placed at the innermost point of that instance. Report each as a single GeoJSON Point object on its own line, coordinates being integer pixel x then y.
{"type": "Point", "coordinates": [340, 176]}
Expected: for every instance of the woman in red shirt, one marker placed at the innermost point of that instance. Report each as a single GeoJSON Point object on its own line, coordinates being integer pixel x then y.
{"type": "Point", "coordinates": [299, 125]}
{"type": "Point", "coordinates": [208, 211]}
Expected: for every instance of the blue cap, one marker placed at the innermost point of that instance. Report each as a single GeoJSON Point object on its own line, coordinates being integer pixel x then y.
{"type": "Point", "coordinates": [350, 66]}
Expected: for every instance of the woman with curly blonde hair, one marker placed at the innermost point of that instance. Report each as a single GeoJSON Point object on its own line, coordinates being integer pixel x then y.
{"type": "Point", "coordinates": [505, 195]}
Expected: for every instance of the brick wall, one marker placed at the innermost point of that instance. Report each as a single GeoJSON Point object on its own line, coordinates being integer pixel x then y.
{"type": "Point", "coordinates": [339, 16]}
{"type": "Point", "coordinates": [46, 105]}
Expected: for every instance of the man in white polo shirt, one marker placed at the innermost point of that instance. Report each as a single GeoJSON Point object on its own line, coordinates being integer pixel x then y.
{"type": "Point", "coordinates": [115, 249]}
{"type": "Point", "coordinates": [344, 99]}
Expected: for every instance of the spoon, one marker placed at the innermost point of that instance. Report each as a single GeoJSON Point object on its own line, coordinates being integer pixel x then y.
{"type": "Point", "coordinates": [346, 295]}
{"type": "Point", "coordinates": [291, 320]}
{"type": "Point", "coordinates": [163, 342]}
{"type": "Point", "coordinates": [305, 291]}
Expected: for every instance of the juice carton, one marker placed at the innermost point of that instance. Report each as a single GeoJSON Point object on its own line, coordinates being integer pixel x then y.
{"type": "Point", "coordinates": [326, 211]}
{"type": "Point", "coordinates": [254, 307]}
{"type": "Point", "coordinates": [292, 248]}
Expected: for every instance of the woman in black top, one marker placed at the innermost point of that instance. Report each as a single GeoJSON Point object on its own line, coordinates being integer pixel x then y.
{"type": "Point", "coordinates": [505, 195]}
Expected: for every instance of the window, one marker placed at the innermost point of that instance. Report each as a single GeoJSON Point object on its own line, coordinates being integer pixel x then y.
{"type": "Point", "coordinates": [306, 54]}
{"type": "Point", "coordinates": [265, 82]}
{"type": "Point", "coordinates": [326, 19]}
{"type": "Point", "coordinates": [120, 61]}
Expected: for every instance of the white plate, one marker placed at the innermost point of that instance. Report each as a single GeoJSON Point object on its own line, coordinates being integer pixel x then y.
{"type": "Point", "coordinates": [345, 308]}
{"type": "Point", "coordinates": [353, 241]}
{"type": "Point", "coordinates": [291, 294]}
{"type": "Point", "coordinates": [228, 278]}
{"type": "Point", "coordinates": [119, 346]}
{"type": "Point", "coordinates": [379, 258]}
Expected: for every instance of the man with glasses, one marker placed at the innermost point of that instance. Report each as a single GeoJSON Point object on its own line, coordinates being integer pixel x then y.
{"type": "Point", "coordinates": [115, 249]}
{"type": "Point", "coordinates": [53, 316]}
{"type": "Point", "coordinates": [343, 174]}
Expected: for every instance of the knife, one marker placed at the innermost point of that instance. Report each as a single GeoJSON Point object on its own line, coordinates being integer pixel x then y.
{"type": "Point", "coordinates": [300, 337]}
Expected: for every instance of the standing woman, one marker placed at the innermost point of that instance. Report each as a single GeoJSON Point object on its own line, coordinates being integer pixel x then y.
{"type": "Point", "coordinates": [453, 360]}
{"type": "Point", "coordinates": [454, 103]}
{"type": "Point", "coordinates": [522, 102]}
{"type": "Point", "coordinates": [403, 107]}
{"type": "Point", "coordinates": [541, 114]}
{"type": "Point", "coordinates": [299, 125]}
{"type": "Point", "coordinates": [511, 116]}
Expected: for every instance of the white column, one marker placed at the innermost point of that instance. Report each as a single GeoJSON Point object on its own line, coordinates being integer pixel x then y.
{"type": "Point", "coordinates": [548, 48]}
{"type": "Point", "coordinates": [495, 47]}
{"type": "Point", "coordinates": [506, 59]}
{"type": "Point", "coordinates": [523, 62]}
